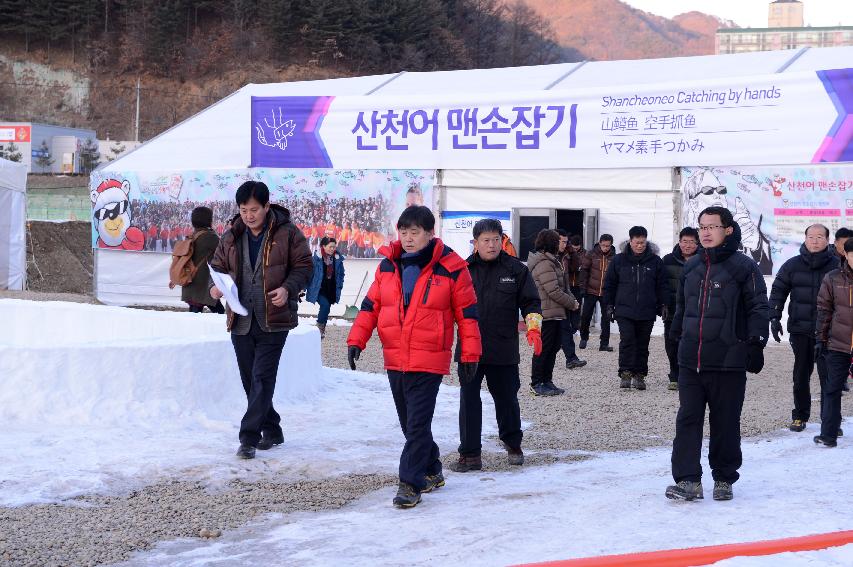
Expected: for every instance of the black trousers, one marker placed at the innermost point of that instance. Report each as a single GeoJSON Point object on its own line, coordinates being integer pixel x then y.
{"type": "Point", "coordinates": [575, 316]}
{"type": "Point", "coordinates": [723, 393]}
{"type": "Point", "coordinates": [414, 396]}
{"type": "Point", "coordinates": [589, 302]}
{"type": "Point", "coordinates": [837, 366]}
{"type": "Point", "coordinates": [503, 382]}
{"type": "Point", "coordinates": [804, 363]}
{"type": "Point", "coordinates": [543, 365]}
{"type": "Point", "coordinates": [634, 338]}
{"type": "Point", "coordinates": [258, 355]}
{"type": "Point", "coordinates": [567, 338]}
{"type": "Point", "coordinates": [671, 352]}
{"type": "Point", "coordinates": [218, 308]}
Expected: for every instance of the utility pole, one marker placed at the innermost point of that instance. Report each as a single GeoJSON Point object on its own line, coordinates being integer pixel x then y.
{"type": "Point", "coordinates": [137, 109]}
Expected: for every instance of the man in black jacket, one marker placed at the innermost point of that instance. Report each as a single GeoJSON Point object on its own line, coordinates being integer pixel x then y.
{"type": "Point", "coordinates": [673, 263]}
{"type": "Point", "coordinates": [503, 286]}
{"type": "Point", "coordinates": [800, 277]}
{"type": "Point", "coordinates": [635, 294]}
{"type": "Point", "coordinates": [721, 320]}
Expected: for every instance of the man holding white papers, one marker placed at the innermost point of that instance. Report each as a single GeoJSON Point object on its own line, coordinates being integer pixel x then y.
{"type": "Point", "coordinates": [268, 258]}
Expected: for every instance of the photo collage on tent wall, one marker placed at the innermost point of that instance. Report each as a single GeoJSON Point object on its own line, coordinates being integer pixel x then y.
{"type": "Point", "coordinates": [772, 205]}
{"type": "Point", "coordinates": [151, 211]}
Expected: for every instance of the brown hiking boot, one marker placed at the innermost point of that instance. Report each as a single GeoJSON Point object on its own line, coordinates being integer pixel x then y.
{"type": "Point", "coordinates": [514, 455]}
{"type": "Point", "coordinates": [467, 463]}
{"type": "Point", "coordinates": [639, 382]}
{"type": "Point", "coordinates": [322, 328]}
{"type": "Point", "coordinates": [625, 379]}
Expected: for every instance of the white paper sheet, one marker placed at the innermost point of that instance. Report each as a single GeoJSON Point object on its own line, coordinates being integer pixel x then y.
{"type": "Point", "coordinates": [229, 291]}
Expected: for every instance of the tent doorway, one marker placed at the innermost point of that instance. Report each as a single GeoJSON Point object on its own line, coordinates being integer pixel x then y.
{"type": "Point", "coordinates": [527, 223]}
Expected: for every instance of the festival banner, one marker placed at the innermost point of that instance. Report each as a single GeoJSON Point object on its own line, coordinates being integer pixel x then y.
{"type": "Point", "coordinates": [457, 228]}
{"type": "Point", "coordinates": [773, 205]}
{"type": "Point", "coordinates": [798, 117]}
{"type": "Point", "coordinates": [143, 211]}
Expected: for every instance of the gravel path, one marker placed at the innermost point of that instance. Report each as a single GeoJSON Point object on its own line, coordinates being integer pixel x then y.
{"type": "Point", "coordinates": [594, 415]}
{"type": "Point", "coordinates": [98, 530]}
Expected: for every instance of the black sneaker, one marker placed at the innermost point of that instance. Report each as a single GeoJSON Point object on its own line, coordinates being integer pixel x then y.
{"type": "Point", "coordinates": [797, 425]}
{"type": "Point", "coordinates": [433, 482]}
{"type": "Point", "coordinates": [605, 348]}
{"type": "Point", "coordinates": [557, 391]}
{"type": "Point", "coordinates": [575, 363]}
{"type": "Point", "coordinates": [407, 496]}
{"type": "Point", "coordinates": [685, 490]}
{"type": "Point", "coordinates": [246, 452]}
{"type": "Point", "coordinates": [625, 379]}
{"type": "Point", "coordinates": [639, 382]}
{"type": "Point", "coordinates": [825, 441]}
{"type": "Point", "coordinates": [582, 344]}
{"type": "Point", "coordinates": [542, 390]}
{"type": "Point", "coordinates": [467, 463]}
{"type": "Point", "coordinates": [269, 441]}
{"type": "Point", "coordinates": [723, 490]}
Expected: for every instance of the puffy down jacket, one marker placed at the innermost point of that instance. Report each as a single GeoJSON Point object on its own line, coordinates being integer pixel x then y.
{"type": "Point", "coordinates": [420, 337]}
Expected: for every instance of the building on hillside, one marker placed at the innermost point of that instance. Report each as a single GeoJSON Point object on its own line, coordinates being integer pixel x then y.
{"type": "Point", "coordinates": [62, 145]}
{"type": "Point", "coordinates": [785, 30]}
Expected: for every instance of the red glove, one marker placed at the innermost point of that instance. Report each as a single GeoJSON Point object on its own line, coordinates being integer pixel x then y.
{"type": "Point", "coordinates": [534, 339]}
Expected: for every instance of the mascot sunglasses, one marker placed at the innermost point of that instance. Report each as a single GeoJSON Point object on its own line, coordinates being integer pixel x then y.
{"type": "Point", "coordinates": [111, 211]}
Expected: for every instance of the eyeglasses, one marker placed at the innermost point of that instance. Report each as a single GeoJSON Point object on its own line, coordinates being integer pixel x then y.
{"type": "Point", "coordinates": [710, 228]}
{"type": "Point", "coordinates": [111, 211]}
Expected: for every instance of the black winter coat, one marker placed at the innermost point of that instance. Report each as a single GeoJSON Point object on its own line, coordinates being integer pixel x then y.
{"type": "Point", "coordinates": [636, 284]}
{"type": "Point", "coordinates": [503, 286]}
{"type": "Point", "coordinates": [722, 303]}
{"type": "Point", "coordinates": [673, 263]}
{"type": "Point", "coordinates": [801, 277]}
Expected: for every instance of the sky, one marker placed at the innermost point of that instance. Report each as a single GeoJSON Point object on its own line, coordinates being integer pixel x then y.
{"type": "Point", "coordinates": [751, 13]}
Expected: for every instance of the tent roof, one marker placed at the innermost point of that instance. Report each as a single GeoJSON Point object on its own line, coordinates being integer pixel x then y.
{"type": "Point", "coordinates": [13, 176]}
{"type": "Point", "coordinates": [219, 136]}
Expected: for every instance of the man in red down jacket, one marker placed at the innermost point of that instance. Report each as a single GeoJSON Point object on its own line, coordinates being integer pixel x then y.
{"type": "Point", "coordinates": [419, 290]}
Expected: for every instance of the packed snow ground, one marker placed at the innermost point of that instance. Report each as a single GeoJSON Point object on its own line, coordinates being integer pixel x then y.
{"type": "Point", "coordinates": [344, 422]}
{"type": "Point", "coordinates": [611, 504]}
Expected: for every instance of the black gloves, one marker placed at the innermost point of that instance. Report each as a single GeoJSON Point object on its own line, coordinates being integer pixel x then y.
{"type": "Point", "coordinates": [353, 353]}
{"type": "Point", "coordinates": [776, 329]}
{"type": "Point", "coordinates": [819, 349]}
{"type": "Point", "coordinates": [467, 371]}
{"type": "Point", "coordinates": [611, 313]}
{"type": "Point", "coordinates": [754, 355]}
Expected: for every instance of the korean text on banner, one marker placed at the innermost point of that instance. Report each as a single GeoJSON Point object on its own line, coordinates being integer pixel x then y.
{"type": "Point", "coordinates": [804, 117]}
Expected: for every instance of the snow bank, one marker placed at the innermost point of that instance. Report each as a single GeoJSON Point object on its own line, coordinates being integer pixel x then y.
{"type": "Point", "coordinates": [68, 363]}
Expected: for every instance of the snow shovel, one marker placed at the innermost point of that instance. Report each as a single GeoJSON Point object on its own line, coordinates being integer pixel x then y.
{"type": "Point", "coordinates": [352, 310]}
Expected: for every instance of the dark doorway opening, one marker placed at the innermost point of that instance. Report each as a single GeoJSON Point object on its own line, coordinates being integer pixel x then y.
{"type": "Point", "coordinates": [571, 220]}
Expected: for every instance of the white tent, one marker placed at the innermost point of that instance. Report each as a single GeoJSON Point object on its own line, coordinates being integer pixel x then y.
{"type": "Point", "coordinates": [605, 200]}
{"type": "Point", "coordinates": [13, 221]}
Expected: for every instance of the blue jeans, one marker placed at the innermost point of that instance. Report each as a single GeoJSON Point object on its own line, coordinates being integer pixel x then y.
{"type": "Point", "coordinates": [325, 307]}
